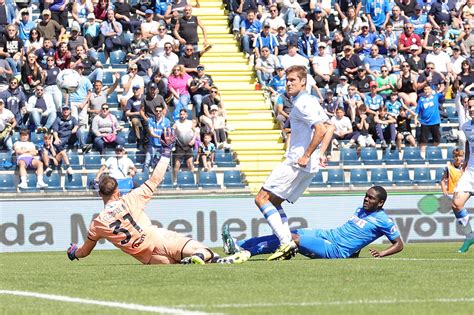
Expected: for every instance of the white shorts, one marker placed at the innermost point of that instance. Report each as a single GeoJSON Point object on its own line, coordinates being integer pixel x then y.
{"type": "Point", "coordinates": [288, 182]}
{"type": "Point", "coordinates": [466, 182]}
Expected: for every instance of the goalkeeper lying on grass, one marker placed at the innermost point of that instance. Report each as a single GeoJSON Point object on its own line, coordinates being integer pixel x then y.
{"type": "Point", "coordinates": [367, 224]}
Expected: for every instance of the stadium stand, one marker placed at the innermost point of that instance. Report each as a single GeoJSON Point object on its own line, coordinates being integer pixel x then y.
{"type": "Point", "coordinates": [256, 140]}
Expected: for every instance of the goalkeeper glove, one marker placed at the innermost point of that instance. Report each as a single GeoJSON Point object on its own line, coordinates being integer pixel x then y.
{"type": "Point", "coordinates": [71, 252]}
{"type": "Point", "coordinates": [168, 141]}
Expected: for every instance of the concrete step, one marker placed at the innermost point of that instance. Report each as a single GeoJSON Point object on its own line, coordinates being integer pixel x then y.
{"type": "Point", "coordinates": [224, 48]}
{"type": "Point", "coordinates": [207, 17]}
{"type": "Point", "coordinates": [225, 59]}
{"type": "Point", "coordinates": [222, 40]}
{"type": "Point", "coordinates": [212, 54]}
{"type": "Point", "coordinates": [239, 76]}
{"type": "Point", "coordinates": [209, 4]}
{"type": "Point", "coordinates": [258, 166]}
{"type": "Point", "coordinates": [252, 158]}
{"type": "Point", "coordinates": [216, 11]}
{"type": "Point", "coordinates": [249, 115]}
{"type": "Point", "coordinates": [245, 125]}
{"type": "Point", "coordinates": [243, 97]}
{"type": "Point", "coordinates": [239, 106]}
{"type": "Point", "coordinates": [241, 92]}
{"type": "Point", "coordinates": [229, 66]}
{"type": "Point", "coordinates": [253, 137]}
{"type": "Point", "coordinates": [233, 87]}
{"type": "Point", "coordinates": [256, 145]}
{"type": "Point", "coordinates": [214, 22]}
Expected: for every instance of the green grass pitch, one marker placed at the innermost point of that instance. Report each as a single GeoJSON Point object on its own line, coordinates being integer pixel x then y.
{"type": "Point", "coordinates": [423, 279]}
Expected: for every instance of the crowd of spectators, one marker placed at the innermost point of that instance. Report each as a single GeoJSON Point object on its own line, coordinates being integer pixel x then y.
{"type": "Point", "coordinates": [376, 65]}
{"type": "Point", "coordinates": [165, 84]}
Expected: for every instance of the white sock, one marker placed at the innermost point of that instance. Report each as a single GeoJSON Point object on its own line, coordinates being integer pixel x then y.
{"type": "Point", "coordinates": [284, 220]}
{"type": "Point", "coordinates": [22, 179]}
{"type": "Point", "coordinates": [273, 218]}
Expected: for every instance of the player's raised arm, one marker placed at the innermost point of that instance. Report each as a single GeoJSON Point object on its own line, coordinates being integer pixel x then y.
{"type": "Point", "coordinates": [397, 246]}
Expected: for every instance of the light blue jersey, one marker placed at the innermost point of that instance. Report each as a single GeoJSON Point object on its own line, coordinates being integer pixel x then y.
{"type": "Point", "coordinates": [362, 229]}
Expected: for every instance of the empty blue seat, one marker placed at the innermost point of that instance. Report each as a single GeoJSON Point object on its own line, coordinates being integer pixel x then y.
{"type": "Point", "coordinates": [452, 114]}
{"type": "Point", "coordinates": [233, 179]}
{"type": "Point", "coordinates": [73, 182]}
{"type": "Point", "coordinates": [318, 180]}
{"type": "Point", "coordinates": [101, 57]}
{"type": "Point", "coordinates": [379, 176]}
{"type": "Point", "coordinates": [349, 157]}
{"type": "Point", "coordinates": [412, 155]}
{"type": "Point", "coordinates": [92, 160]}
{"type": "Point", "coordinates": [392, 157]}
{"type": "Point", "coordinates": [6, 162]}
{"type": "Point", "coordinates": [439, 174]}
{"type": "Point", "coordinates": [369, 156]}
{"type": "Point", "coordinates": [434, 155]}
{"type": "Point", "coordinates": [112, 98]}
{"type": "Point", "coordinates": [141, 177]}
{"type": "Point", "coordinates": [401, 176]}
{"type": "Point", "coordinates": [336, 177]}
{"type": "Point", "coordinates": [116, 57]}
{"type": "Point", "coordinates": [186, 180]}
{"type": "Point", "coordinates": [224, 159]}
{"type": "Point", "coordinates": [167, 182]}
{"type": "Point", "coordinates": [422, 176]}
{"type": "Point", "coordinates": [74, 161]}
{"type": "Point", "coordinates": [208, 180]}
{"type": "Point", "coordinates": [359, 177]}
{"type": "Point", "coordinates": [53, 181]}
{"type": "Point", "coordinates": [108, 78]}
{"type": "Point", "coordinates": [90, 181]}
{"type": "Point", "coordinates": [7, 183]}
{"type": "Point", "coordinates": [37, 138]}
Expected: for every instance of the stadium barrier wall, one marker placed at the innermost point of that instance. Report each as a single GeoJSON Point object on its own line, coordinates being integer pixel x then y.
{"type": "Point", "coordinates": [49, 225]}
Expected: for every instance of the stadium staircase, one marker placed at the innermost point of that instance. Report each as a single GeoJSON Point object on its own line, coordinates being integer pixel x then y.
{"type": "Point", "coordinates": [255, 138]}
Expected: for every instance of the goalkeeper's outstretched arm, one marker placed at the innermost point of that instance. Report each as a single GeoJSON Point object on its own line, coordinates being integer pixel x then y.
{"type": "Point", "coordinates": [167, 142]}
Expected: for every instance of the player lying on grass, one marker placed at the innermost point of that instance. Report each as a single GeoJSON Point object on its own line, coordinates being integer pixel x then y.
{"type": "Point", "coordinates": [367, 224]}
{"type": "Point", "coordinates": [124, 223]}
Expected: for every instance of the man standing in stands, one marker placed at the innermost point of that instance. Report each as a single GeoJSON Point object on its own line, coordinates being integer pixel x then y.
{"type": "Point", "coordinates": [185, 30]}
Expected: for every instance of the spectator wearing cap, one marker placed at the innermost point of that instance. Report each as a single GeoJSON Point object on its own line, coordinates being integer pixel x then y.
{"type": "Point", "coordinates": [349, 63]}
{"type": "Point", "coordinates": [277, 84]}
{"type": "Point", "coordinates": [374, 62]}
{"type": "Point", "coordinates": [366, 40]}
{"type": "Point", "coordinates": [441, 11]}
{"type": "Point", "coordinates": [80, 10]}
{"type": "Point", "coordinates": [138, 45]}
{"type": "Point", "coordinates": [457, 59]}
{"type": "Point", "coordinates": [388, 37]}
{"type": "Point", "coordinates": [445, 34]}
{"type": "Point", "coordinates": [265, 39]}
{"type": "Point", "coordinates": [373, 100]}
{"type": "Point", "coordinates": [293, 15]}
{"type": "Point", "coordinates": [307, 44]}
{"type": "Point", "coordinates": [376, 12]}
{"type": "Point", "coordinates": [274, 21]}
{"type": "Point", "coordinates": [323, 68]}
{"type": "Point", "coordinates": [418, 19]}
{"type": "Point", "coordinates": [50, 28]}
{"type": "Point", "coordinates": [362, 80]}
{"type": "Point", "coordinates": [7, 125]}
{"type": "Point", "coordinates": [99, 95]}
{"type": "Point", "coordinates": [191, 59]}
{"type": "Point", "coordinates": [75, 39]}
{"type": "Point", "coordinates": [407, 39]}
{"type": "Point", "coordinates": [11, 48]}
{"type": "Point", "coordinates": [25, 25]}
{"type": "Point", "coordinates": [265, 66]}
{"type": "Point", "coordinates": [9, 15]}
{"type": "Point", "coordinates": [199, 87]}
{"type": "Point", "coordinates": [250, 27]}
{"type": "Point", "coordinates": [92, 68]}
{"type": "Point", "coordinates": [124, 14]}
{"type": "Point", "coordinates": [91, 31]}
{"type": "Point", "coordinates": [105, 129]}
{"type": "Point", "coordinates": [132, 113]}
{"type": "Point", "coordinates": [293, 58]}
{"type": "Point", "coordinates": [342, 88]}
{"type": "Point", "coordinates": [111, 29]}
{"type": "Point", "coordinates": [66, 130]}
{"type": "Point", "coordinates": [121, 168]}
{"type": "Point", "coordinates": [432, 78]}
{"type": "Point", "coordinates": [394, 60]}
{"type": "Point", "coordinates": [330, 103]}
{"type": "Point", "coordinates": [150, 101]}
{"type": "Point", "coordinates": [397, 19]}
{"type": "Point", "coordinates": [42, 110]}
{"type": "Point", "coordinates": [149, 27]}
{"type": "Point", "coordinates": [283, 39]}
{"type": "Point", "coordinates": [465, 39]}
{"type": "Point", "coordinates": [351, 23]}
{"type": "Point", "coordinates": [441, 61]}
{"type": "Point", "coordinates": [156, 125]}
{"type": "Point", "coordinates": [318, 24]}
{"type": "Point", "coordinates": [417, 64]}
{"type": "Point", "coordinates": [185, 30]}
{"type": "Point", "coordinates": [128, 81]}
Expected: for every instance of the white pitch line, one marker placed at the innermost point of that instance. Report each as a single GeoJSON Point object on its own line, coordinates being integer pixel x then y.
{"type": "Point", "coordinates": [333, 303]}
{"type": "Point", "coordinates": [429, 259]}
{"type": "Point", "coordinates": [127, 306]}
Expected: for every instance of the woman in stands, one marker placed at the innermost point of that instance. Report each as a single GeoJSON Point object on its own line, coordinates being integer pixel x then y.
{"type": "Point", "coordinates": [34, 42]}
{"type": "Point", "coordinates": [417, 64]}
{"type": "Point", "coordinates": [31, 75]}
{"type": "Point", "coordinates": [100, 10]}
{"type": "Point", "coordinates": [406, 85]}
{"type": "Point", "coordinates": [178, 84]}
{"type": "Point", "coordinates": [63, 56]}
{"type": "Point", "coordinates": [465, 80]}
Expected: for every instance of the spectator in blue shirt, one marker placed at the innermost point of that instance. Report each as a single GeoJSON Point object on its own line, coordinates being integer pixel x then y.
{"type": "Point", "coordinates": [377, 12]}
{"type": "Point", "coordinates": [308, 44]}
{"type": "Point", "coordinates": [249, 29]}
{"type": "Point", "coordinates": [266, 39]}
{"type": "Point", "coordinates": [429, 116]}
{"type": "Point", "coordinates": [366, 40]}
{"type": "Point", "coordinates": [373, 100]}
{"type": "Point", "coordinates": [156, 125]}
{"type": "Point", "coordinates": [25, 25]}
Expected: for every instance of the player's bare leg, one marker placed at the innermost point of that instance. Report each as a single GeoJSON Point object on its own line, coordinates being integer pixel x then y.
{"type": "Point", "coordinates": [462, 218]}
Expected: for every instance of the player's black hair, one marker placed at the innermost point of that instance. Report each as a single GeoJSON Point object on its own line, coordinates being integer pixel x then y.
{"type": "Point", "coordinates": [381, 193]}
